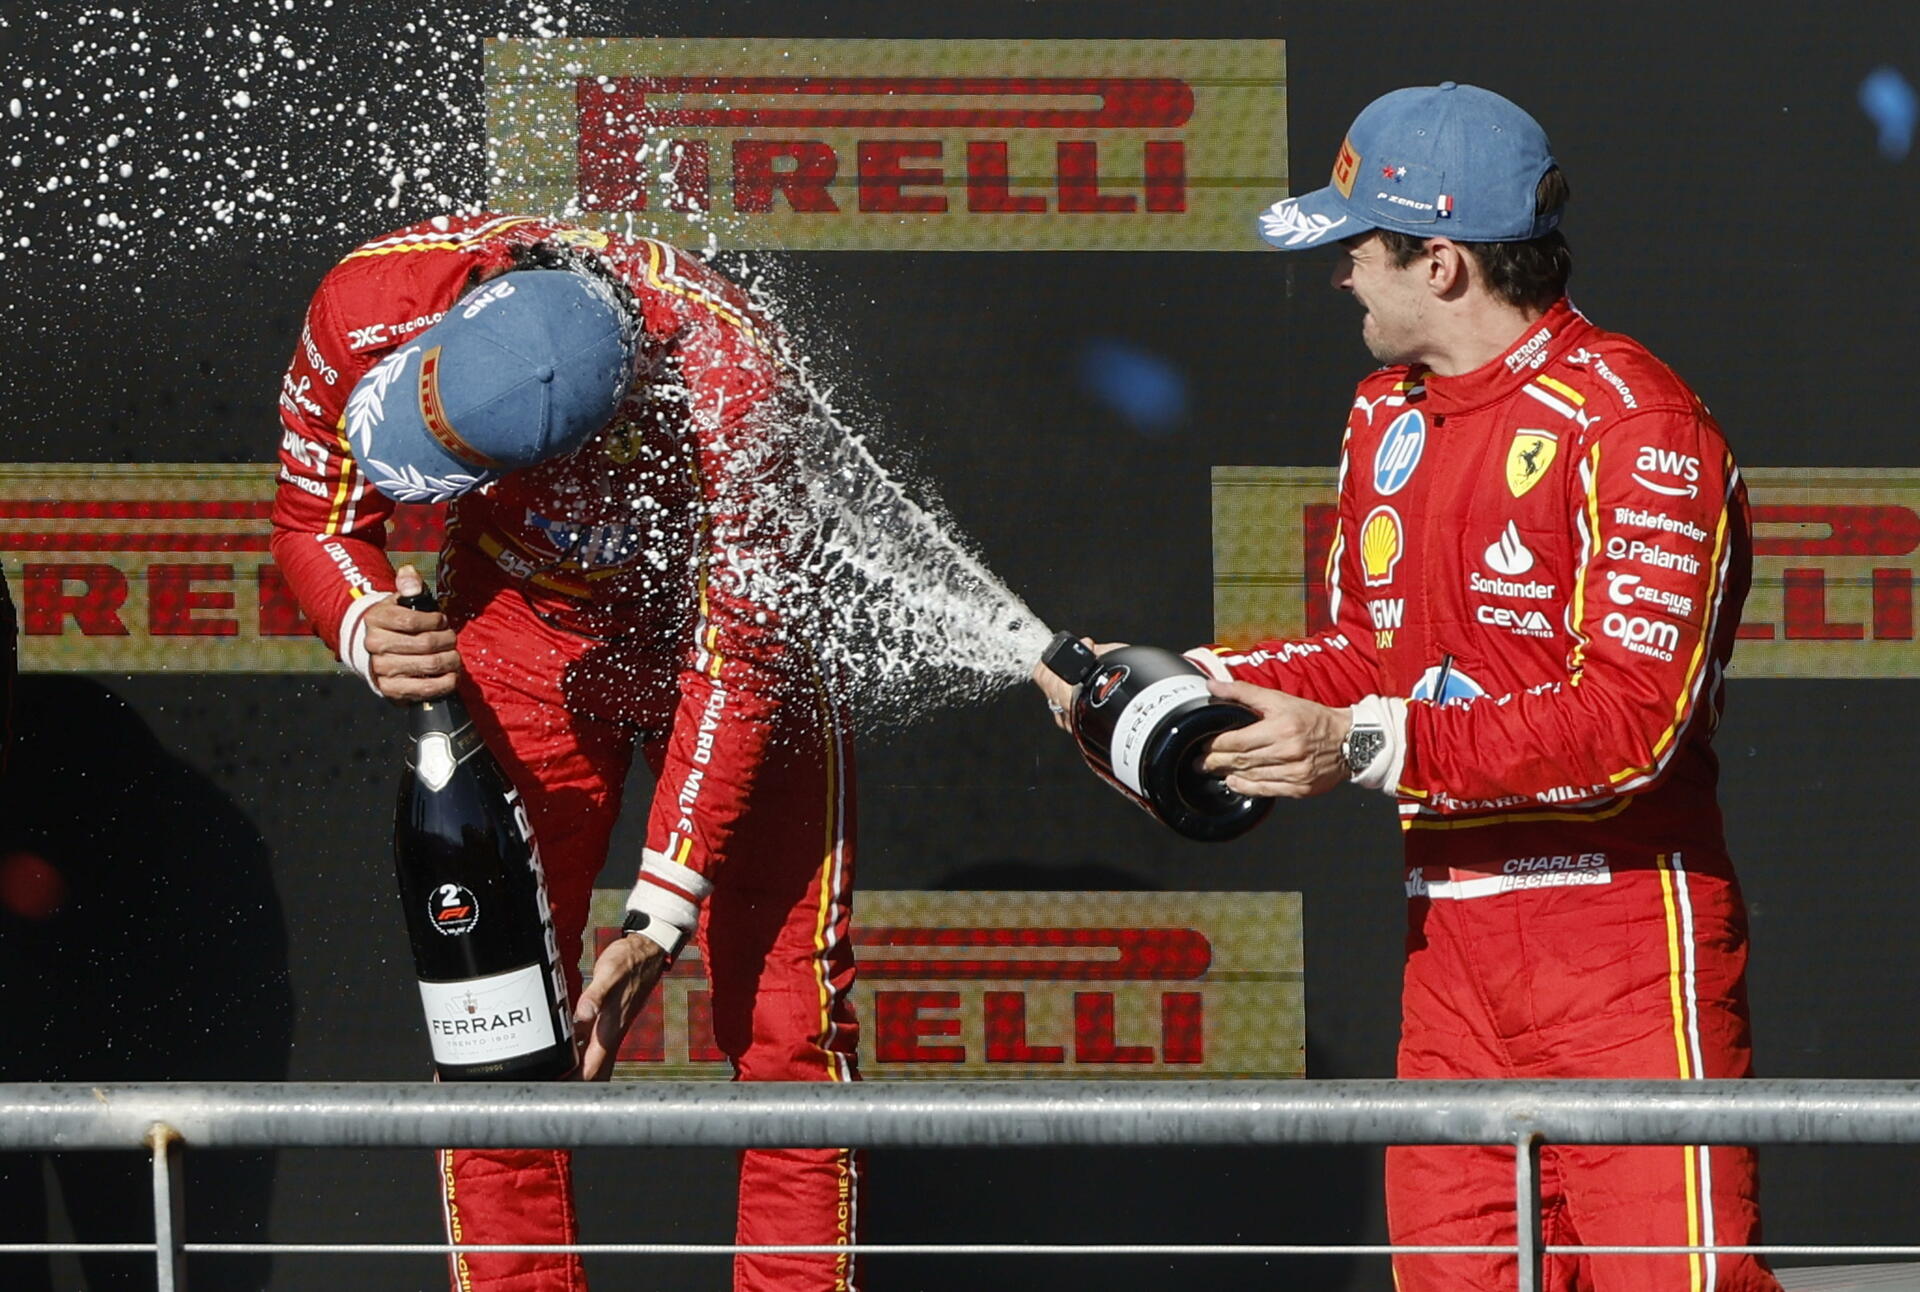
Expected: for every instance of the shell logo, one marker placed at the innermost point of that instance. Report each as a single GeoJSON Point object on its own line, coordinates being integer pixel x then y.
{"type": "Point", "coordinates": [1381, 546]}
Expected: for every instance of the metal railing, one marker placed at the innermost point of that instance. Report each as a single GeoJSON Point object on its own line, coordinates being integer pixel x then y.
{"type": "Point", "coordinates": [166, 1119]}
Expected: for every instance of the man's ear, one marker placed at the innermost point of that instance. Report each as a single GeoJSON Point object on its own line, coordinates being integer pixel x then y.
{"type": "Point", "coordinates": [1447, 271]}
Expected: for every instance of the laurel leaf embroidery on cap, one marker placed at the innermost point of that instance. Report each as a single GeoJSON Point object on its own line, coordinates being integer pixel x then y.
{"type": "Point", "coordinates": [367, 405]}
{"type": "Point", "coordinates": [1287, 220]}
{"type": "Point", "coordinates": [407, 484]}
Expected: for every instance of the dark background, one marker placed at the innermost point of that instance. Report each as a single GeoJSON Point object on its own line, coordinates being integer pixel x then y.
{"type": "Point", "coordinates": [1731, 210]}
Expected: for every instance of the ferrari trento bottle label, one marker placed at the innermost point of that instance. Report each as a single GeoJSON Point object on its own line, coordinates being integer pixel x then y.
{"type": "Point", "coordinates": [488, 1020]}
{"type": "Point", "coordinates": [1133, 730]}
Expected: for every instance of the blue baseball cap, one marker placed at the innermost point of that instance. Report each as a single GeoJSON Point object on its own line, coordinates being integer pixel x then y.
{"type": "Point", "coordinates": [524, 369]}
{"type": "Point", "coordinates": [1443, 160]}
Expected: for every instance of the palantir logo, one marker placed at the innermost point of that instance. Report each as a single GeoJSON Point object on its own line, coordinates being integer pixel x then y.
{"type": "Point", "coordinates": [1399, 452]}
{"type": "Point", "coordinates": [1508, 555]}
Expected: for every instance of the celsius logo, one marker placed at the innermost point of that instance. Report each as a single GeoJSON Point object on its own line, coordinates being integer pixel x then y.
{"type": "Point", "coordinates": [1620, 587]}
{"type": "Point", "coordinates": [1399, 453]}
{"type": "Point", "coordinates": [1104, 688]}
{"type": "Point", "coordinates": [453, 909]}
{"type": "Point", "coordinates": [1509, 555]}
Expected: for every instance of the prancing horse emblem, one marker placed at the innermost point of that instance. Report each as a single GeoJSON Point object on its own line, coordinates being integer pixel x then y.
{"type": "Point", "coordinates": [1528, 459]}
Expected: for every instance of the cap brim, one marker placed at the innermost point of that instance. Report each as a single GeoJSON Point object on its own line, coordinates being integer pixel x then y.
{"type": "Point", "coordinates": [1310, 220]}
{"type": "Point", "coordinates": [391, 442]}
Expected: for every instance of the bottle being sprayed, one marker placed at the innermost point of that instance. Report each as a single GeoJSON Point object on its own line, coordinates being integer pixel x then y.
{"type": "Point", "coordinates": [476, 905]}
{"type": "Point", "coordinates": [1140, 715]}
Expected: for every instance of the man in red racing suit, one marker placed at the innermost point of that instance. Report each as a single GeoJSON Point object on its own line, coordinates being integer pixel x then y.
{"type": "Point", "coordinates": [1535, 585]}
{"type": "Point", "coordinates": [606, 600]}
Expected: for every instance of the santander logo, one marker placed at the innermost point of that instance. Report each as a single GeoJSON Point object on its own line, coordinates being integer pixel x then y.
{"type": "Point", "coordinates": [1508, 555]}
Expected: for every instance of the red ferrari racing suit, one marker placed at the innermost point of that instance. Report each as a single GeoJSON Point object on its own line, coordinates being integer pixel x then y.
{"type": "Point", "coordinates": [608, 599]}
{"type": "Point", "coordinates": [1547, 557]}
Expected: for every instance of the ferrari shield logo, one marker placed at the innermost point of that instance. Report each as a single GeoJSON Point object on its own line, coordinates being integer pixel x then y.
{"type": "Point", "coordinates": [1528, 459]}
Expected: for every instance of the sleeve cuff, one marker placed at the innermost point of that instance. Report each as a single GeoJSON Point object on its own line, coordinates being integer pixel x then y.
{"type": "Point", "coordinates": [353, 637]}
{"type": "Point", "coordinates": [1390, 715]}
{"type": "Point", "coordinates": [1208, 663]}
{"type": "Point", "coordinates": [669, 893]}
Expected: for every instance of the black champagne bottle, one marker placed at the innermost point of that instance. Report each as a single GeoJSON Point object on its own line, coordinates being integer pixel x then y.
{"type": "Point", "coordinates": [1140, 715]}
{"type": "Point", "coordinates": [476, 905]}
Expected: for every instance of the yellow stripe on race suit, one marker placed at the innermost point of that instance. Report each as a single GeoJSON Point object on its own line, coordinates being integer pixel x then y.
{"type": "Point", "coordinates": [1681, 992]}
{"type": "Point", "coordinates": [1675, 976]}
{"type": "Point", "coordinates": [437, 242]}
{"type": "Point", "coordinates": [1700, 648]}
{"type": "Point", "coordinates": [346, 460]}
{"type": "Point", "coordinates": [831, 877]}
{"type": "Point", "coordinates": [1509, 818]}
{"type": "Point", "coordinates": [1565, 391]}
{"type": "Point", "coordinates": [1579, 658]}
{"type": "Point", "coordinates": [660, 278]}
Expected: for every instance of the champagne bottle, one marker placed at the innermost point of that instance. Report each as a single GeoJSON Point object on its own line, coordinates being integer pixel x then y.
{"type": "Point", "coordinates": [476, 905]}
{"type": "Point", "coordinates": [1140, 715]}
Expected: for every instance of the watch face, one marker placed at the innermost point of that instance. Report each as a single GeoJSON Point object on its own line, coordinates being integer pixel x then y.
{"type": "Point", "coordinates": [1363, 746]}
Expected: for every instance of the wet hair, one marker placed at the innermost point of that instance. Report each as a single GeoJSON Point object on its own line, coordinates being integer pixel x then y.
{"type": "Point", "coordinates": [1531, 274]}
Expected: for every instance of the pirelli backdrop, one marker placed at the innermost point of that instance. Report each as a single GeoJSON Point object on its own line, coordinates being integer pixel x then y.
{"type": "Point", "coordinates": [1018, 240]}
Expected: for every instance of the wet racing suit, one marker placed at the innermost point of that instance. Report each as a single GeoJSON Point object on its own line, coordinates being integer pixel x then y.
{"type": "Point", "coordinates": [605, 601]}
{"type": "Point", "coordinates": [1560, 542]}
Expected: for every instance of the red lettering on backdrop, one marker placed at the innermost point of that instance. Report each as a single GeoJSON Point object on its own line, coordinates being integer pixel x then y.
{"type": "Point", "coordinates": [619, 124]}
{"type": "Point", "coordinates": [47, 605]}
{"type": "Point", "coordinates": [1007, 1032]}
{"type": "Point", "coordinates": [172, 600]}
{"type": "Point", "coordinates": [1893, 605]}
{"type": "Point", "coordinates": [701, 1045]}
{"type": "Point", "coordinates": [1851, 530]}
{"type": "Point", "coordinates": [988, 184]}
{"type": "Point", "coordinates": [1183, 1027]}
{"type": "Point", "coordinates": [805, 185]}
{"type": "Point", "coordinates": [1166, 176]}
{"type": "Point", "coordinates": [1319, 522]}
{"type": "Point", "coordinates": [279, 609]}
{"type": "Point", "coordinates": [883, 175]}
{"type": "Point", "coordinates": [1137, 955]}
{"type": "Point", "coordinates": [690, 182]}
{"type": "Point", "coordinates": [1093, 1035]}
{"type": "Point", "coordinates": [1079, 168]}
{"type": "Point", "coordinates": [1805, 597]}
{"type": "Point", "coordinates": [616, 108]}
{"type": "Point", "coordinates": [899, 1023]}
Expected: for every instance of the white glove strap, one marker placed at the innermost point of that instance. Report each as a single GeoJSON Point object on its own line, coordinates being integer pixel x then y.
{"type": "Point", "coordinates": [353, 636]}
{"type": "Point", "coordinates": [1390, 715]}
{"type": "Point", "coordinates": [670, 894]}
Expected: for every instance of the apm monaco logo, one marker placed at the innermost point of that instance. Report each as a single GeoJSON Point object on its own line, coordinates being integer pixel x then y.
{"type": "Point", "coordinates": [942, 144]}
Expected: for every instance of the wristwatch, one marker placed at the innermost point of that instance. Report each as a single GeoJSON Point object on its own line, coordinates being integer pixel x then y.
{"type": "Point", "coordinates": [1362, 745]}
{"type": "Point", "coordinates": [640, 922]}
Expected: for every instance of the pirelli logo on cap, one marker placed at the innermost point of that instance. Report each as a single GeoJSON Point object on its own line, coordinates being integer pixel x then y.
{"type": "Point", "coordinates": [164, 568]}
{"type": "Point", "coordinates": [1345, 167]}
{"type": "Point", "coordinates": [1031, 985]}
{"type": "Point", "coordinates": [1836, 554]}
{"type": "Point", "coordinates": [885, 144]}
